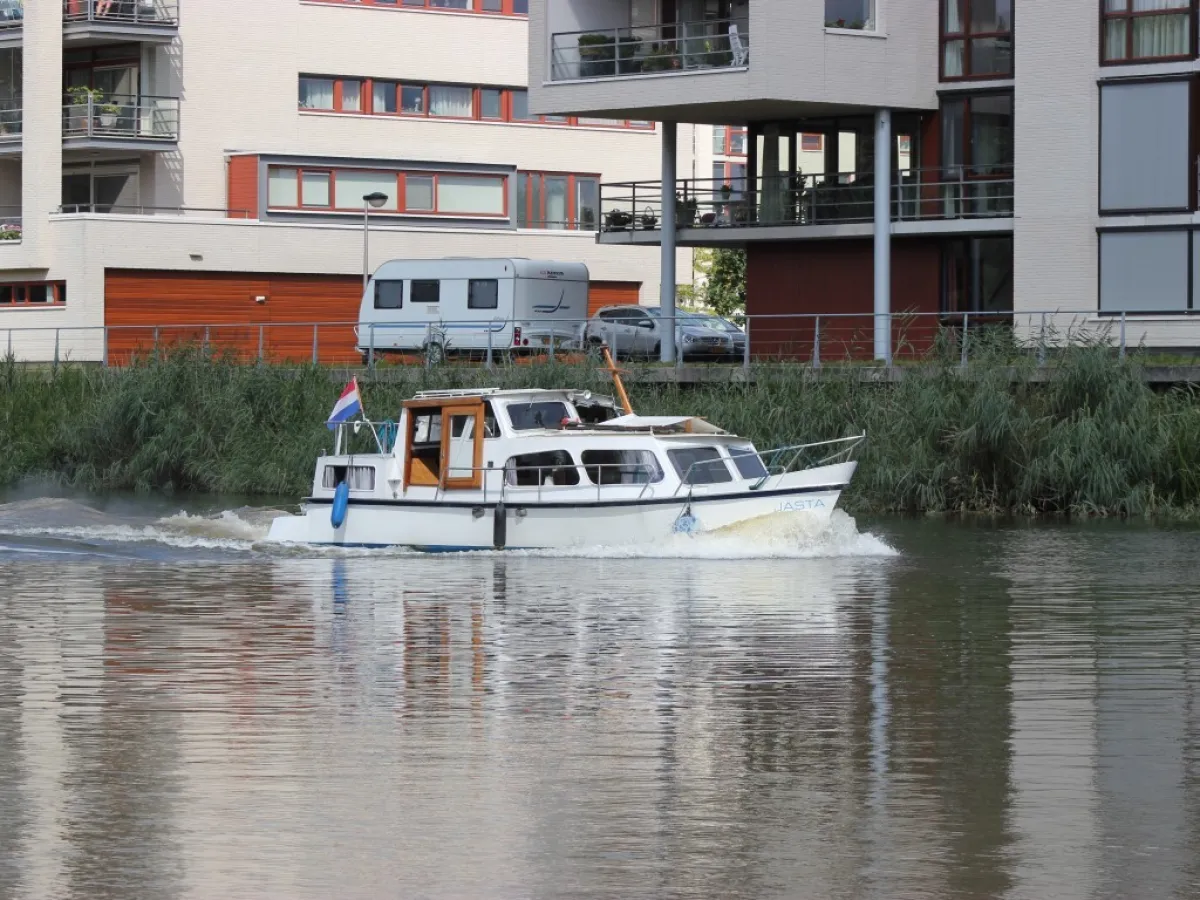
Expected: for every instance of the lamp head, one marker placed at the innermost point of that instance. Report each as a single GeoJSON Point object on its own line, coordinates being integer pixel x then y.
{"type": "Point", "coordinates": [376, 199]}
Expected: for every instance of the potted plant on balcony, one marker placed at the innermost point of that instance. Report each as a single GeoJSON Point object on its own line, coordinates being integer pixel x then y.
{"type": "Point", "coordinates": [628, 61]}
{"type": "Point", "coordinates": [108, 114]}
{"type": "Point", "coordinates": [616, 220]}
{"type": "Point", "coordinates": [685, 211]}
{"type": "Point", "coordinates": [597, 55]}
{"type": "Point", "coordinates": [80, 103]}
{"type": "Point", "coordinates": [661, 58]}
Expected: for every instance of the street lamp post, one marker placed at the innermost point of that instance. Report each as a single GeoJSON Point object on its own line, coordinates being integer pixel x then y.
{"type": "Point", "coordinates": [370, 201]}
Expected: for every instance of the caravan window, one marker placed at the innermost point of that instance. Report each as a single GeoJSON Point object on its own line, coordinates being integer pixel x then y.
{"type": "Point", "coordinates": [425, 292]}
{"type": "Point", "coordinates": [483, 293]}
{"type": "Point", "coordinates": [389, 294]}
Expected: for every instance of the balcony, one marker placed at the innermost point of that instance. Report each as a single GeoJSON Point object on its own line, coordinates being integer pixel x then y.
{"type": "Point", "coordinates": [650, 50]}
{"type": "Point", "coordinates": [121, 123]}
{"type": "Point", "coordinates": [101, 21]}
{"type": "Point", "coordinates": [10, 224]}
{"type": "Point", "coordinates": [709, 212]}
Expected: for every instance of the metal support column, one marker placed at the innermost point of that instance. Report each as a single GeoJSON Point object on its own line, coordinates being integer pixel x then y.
{"type": "Point", "coordinates": [883, 236]}
{"type": "Point", "coordinates": [667, 265]}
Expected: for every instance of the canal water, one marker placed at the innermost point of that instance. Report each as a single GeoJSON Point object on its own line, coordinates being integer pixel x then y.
{"type": "Point", "coordinates": [885, 709]}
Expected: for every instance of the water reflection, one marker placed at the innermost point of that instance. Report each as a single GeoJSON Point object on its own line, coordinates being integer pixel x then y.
{"type": "Point", "coordinates": [995, 714]}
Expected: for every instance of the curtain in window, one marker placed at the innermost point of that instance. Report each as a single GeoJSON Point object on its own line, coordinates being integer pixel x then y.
{"type": "Point", "coordinates": [556, 202]}
{"type": "Point", "coordinates": [954, 17]}
{"type": "Point", "coordinates": [353, 185]}
{"type": "Point", "coordinates": [1165, 35]}
{"type": "Point", "coordinates": [470, 195]}
{"type": "Point", "coordinates": [316, 93]}
{"type": "Point", "coordinates": [283, 188]}
{"type": "Point", "coordinates": [450, 101]}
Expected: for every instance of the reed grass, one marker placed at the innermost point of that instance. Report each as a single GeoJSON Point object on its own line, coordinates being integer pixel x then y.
{"type": "Point", "coordinates": [1091, 439]}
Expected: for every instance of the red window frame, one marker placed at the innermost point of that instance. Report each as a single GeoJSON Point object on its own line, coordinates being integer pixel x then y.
{"type": "Point", "coordinates": [54, 289]}
{"type": "Point", "coordinates": [1129, 16]}
{"type": "Point", "coordinates": [507, 7]}
{"type": "Point", "coordinates": [367, 104]}
{"type": "Point", "coordinates": [538, 222]}
{"type": "Point", "coordinates": [401, 176]}
{"type": "Point", "coordinates": [967, 36]}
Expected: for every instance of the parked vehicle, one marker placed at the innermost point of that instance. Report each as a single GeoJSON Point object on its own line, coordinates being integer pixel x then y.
{"type": "Point", "coordinates": [450, 306]}
{"type": "Point", "coordinates": [636, 331]}
{"type": "Point", "coordinates": [719, 323]}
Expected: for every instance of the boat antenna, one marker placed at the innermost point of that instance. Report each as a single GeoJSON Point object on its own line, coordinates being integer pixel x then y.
{"type": "Point", "coordinates": [616, 377]}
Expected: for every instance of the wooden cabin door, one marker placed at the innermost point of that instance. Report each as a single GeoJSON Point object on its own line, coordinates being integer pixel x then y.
{"type": "Point", "coordinates": [462, 447]}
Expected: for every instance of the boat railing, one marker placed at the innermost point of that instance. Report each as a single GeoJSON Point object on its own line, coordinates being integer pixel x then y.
{"type": "Point", "coordinates": [795, 452]}
{"type": "Point", "coordinates": [586, 470]}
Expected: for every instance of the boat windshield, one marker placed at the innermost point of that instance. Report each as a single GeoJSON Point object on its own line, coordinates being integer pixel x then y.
{"type": "Point", "coordinates": [748, 462]}
{"type": "Point", "coordinates": [538, 414]}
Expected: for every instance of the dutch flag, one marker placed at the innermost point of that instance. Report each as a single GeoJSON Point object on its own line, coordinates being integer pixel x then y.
{"type": "Point", "coordinates": [348, 406]}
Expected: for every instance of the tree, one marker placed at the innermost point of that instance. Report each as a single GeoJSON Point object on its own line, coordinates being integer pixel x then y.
{"type": "Point", "coordinates": [725, 289]}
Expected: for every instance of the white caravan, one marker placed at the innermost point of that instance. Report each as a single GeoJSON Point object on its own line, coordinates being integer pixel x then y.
{"type": "Point", "coordinates": [449, 306]}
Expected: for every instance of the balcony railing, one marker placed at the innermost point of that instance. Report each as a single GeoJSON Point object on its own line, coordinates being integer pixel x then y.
{"type": "Point", "coordinates": [123, 118]}
{"type": "Point", "coordinates": [10, 223]}
{"type": "Point", "coordinates": [12, 14]}
{"type": "Point", "coordinates": [650, 49]}
{"type": "Point", "coordinates": [110, 209]}
{"type": "Point", "coordinates": [122, 12]}
{"type": "Point", "coordinates": [10, 122]}
{"type": "Point", "coordinates": [918, 194]}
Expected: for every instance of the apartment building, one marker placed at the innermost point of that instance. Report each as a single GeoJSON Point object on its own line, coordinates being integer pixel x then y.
{"type": "Point", "coordinates": [193, 162]}
{"type": "Point", "coordinates": [1039, 156]}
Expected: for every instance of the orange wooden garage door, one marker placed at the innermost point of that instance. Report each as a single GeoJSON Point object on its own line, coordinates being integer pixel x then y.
{"type": "Point", "coordinates": [224, 309]}
{"type": "Point", "coordinates": [610, 293]}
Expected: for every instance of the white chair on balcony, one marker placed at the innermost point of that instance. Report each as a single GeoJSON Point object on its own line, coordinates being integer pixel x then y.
{"type": "Point", "coordinates": [740, 54]}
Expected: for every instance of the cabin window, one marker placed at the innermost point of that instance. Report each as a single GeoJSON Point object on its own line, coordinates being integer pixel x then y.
{"type": "Point", "coordinates": [483, 293]}
{"type": "Point", "coordinates": [622, 466]}
{"type": "Point", "coordinates": [538, 414]}
{"type": "Point", "coordinates": [427, 428]}
{"type": "Point", "coordinates": [552, 467]}
{"type": "Point", "coordinates": [491, 428]}
{"type": "Point", "coordinates": [359, 478]}
{"type": "Point", "coordinates": [749, 463]}
{"type": "Point", "coordinates": [425, 291]}
{"type": "Point", "coordinates": [389, 294]}
{"type": "Point", "coordinates": [700, 465]}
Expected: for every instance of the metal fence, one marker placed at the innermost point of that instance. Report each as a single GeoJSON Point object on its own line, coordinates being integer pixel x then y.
{"type": "Point", "coordinates": [649, 49]}
{"type": "Point", "coordinates": [107, 209]}
{"type": "Point", "coordinates": [121, 117]}
{"type": "Point", "coordinates": [917, 194]}
{"type": "Point", "coordinates": [812, 340]}
{"type": "Point", "coordinates": [10, 223]}
{"type": "Point", "coordinates": [130, 12]}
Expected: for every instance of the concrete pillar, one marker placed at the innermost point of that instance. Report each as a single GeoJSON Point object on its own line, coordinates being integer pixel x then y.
{"type": "Point", "coordinates": [41, 129]}
{"type": "Point", "coordinates": [883, 235]}
{"type": "Point", "coordinates": [666, 291]}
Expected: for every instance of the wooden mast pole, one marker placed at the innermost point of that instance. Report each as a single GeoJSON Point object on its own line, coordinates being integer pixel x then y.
{"type": "Point", "coordinates": [616, 377]}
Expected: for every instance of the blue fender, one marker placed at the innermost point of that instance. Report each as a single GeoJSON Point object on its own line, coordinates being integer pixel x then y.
{"type": "Point", "coordinates": [341, 501]}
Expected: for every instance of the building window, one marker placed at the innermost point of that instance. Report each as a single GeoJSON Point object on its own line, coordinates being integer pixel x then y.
{"type": "Point", "coordinates": [1144, 146]}
{"type": "Point", "coordinates": [977, 38]}
{"type": "Point", "coordinates": [557, 202]}
{"type": "Point", "coordinates": [341, 190]}
{"type": "Point", "coordinates": [1145, 271]}
{"type": "Point", "coordinates": [856, 14]}
{"type": "Point", "coordinates": [494, 7]}
{"type": "Point", "coordinates": [316, 93]}
{"type": "Point", "coordinates": [977, 152]}
{"type": "Point", "coordinates": [383, 97]}
{"type": "Point", "coordinates": [977, 275]}
{"type": "Point", "coordinates": [1137, 30]}
{"type": "Point", "coordinates": [812, 143]}
{"type": "Point", "coordinates": [32, 293]}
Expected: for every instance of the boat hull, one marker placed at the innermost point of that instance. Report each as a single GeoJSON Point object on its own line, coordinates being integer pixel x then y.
{"type": "Point", "coordinates": [453, 525]}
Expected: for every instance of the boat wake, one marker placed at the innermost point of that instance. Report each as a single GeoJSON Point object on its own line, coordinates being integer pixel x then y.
{"type": "Point", "coordinates": [67, 526]}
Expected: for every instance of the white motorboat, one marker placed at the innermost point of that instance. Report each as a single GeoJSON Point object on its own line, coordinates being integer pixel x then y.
{"type": "Point", "coordinates": [531, 469]}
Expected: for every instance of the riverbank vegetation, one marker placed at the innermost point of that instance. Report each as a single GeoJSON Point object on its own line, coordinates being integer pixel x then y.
{"type": "Point", "coordinates": [1092, 439]}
